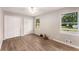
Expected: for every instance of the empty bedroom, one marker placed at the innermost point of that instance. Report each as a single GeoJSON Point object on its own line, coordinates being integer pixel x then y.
{"type": "Point", "coordinates": [39, 28]}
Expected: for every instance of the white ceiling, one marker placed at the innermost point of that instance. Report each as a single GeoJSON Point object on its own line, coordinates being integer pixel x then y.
{"type": "Point", "coordinates": [25, 11]}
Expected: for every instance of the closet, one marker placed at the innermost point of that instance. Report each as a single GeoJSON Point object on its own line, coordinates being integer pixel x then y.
{"type": "Point", "coordinates": [17, 26]}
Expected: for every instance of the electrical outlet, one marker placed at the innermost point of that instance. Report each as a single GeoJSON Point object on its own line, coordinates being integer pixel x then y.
{"type": "Point", "coordinates": [70, 41]}
{"type": "Point", "coordinates": [66, 41]}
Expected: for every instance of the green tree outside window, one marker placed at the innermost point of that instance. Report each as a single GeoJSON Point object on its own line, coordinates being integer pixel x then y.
{"type": "Point", "coordinates": [37, 23]}
{"type": "Point", "coordinates": [70, 22]}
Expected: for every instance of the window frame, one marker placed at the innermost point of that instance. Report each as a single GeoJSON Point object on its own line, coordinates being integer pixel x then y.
{"type": "Point", "coordinates": [70, 32]}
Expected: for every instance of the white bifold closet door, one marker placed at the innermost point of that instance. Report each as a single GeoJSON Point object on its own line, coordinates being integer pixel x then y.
{"type": "Point", "coordinates": [28, 25]}
{"type": "Point", "coordinates": [12, 26]}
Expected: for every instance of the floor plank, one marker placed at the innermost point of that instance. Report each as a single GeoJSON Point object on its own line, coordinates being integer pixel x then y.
{"type": "Point", "coordinates": [33, 43]}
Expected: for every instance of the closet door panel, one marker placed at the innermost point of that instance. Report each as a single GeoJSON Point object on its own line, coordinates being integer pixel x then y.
{"type": "Point", "coordinates": [28, 26]}
{"type": "Point", "coordinates": [12, 26]}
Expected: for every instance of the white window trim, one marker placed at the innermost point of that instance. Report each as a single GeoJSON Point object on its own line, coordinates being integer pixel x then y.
{"type": "Point", "coordinates": [70, 33]}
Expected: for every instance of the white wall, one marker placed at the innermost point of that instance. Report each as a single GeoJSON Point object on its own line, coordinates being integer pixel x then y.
{"type": "Point", "coordinates": [50, 25]}
{"type": "Point", "coordinates": [1, 27]}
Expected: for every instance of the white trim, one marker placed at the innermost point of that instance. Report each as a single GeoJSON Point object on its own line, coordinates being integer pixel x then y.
{"type": "Point", "coordinates": [74, 46]}
{"type": "Point", "coordinates": [70, 33]}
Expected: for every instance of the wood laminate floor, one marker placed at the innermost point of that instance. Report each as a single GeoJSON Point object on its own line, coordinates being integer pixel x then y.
{"type": "Point", "coordinates": [33, 43]}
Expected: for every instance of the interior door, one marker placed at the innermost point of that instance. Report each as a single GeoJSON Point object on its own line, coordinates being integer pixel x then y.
{"type": "Point", "coordinates": [12, 26]}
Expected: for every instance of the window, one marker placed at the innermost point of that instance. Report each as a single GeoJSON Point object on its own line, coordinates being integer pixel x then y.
{"type": "Point", "coordinates": [69, 22]}
{"type": "Point", "coordinates": [37, 23]}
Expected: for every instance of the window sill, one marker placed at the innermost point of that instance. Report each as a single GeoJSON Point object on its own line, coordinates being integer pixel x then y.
{"type": "Point", "coordinates": [70, 33]}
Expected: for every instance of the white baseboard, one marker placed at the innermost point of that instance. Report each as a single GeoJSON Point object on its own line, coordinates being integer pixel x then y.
{"type": "Point", "coordinates": [74, 46]}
